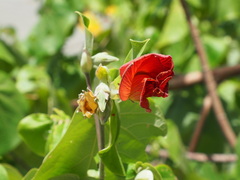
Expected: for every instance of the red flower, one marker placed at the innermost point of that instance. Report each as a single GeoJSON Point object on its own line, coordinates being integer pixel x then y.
{"type": "Point", "coordinates": [145, 77]}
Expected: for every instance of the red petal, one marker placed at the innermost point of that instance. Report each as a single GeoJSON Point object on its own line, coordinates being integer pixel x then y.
{"type": "Point", "coordinates": [150, 64]}
{"type": "Point", "coordinates": [137, 86]}
{"type": "Point", "coordinates": [148, 88]}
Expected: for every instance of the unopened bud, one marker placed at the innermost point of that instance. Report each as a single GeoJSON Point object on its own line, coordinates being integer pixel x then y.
{"type": "Point", "coordinates": [144, 174]}
{"type": "Point", "coordinates": [103, 58]}
{"type": "Point", "coordinates": [102, 93]}
{"type": "Point", "coordinates": [102, 73]}
{"type": "Point", "coordinates": [86, 62]}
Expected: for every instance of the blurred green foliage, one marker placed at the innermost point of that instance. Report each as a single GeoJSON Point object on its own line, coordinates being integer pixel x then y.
{"type": "Point", "coordinates": [37, 75]}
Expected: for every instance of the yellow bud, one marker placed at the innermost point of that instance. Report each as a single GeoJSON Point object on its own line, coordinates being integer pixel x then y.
{"type": "Point", "coordinates": [102, 73]}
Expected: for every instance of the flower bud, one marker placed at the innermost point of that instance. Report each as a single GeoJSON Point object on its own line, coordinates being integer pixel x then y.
{"type": "Point", "coordinates": [102, 73]}
{"type": "Point", "coordinates": [144, 174]}
{"type": "Point", "coordinates": [86, 62]}
{"type": "Point", "coordinates": [102, 93]}
{"type": "Point", "coordinates": [103, 58]}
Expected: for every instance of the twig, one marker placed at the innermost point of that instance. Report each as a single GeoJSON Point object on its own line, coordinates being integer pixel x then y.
{"type": "Point", "coordinates": [207, 104]}
{"type": "Point", "coordinates": [210, 82]}
{"type": "Point", "coordinates": [201, 157]}
{"type": "Point", "coordinates": [181, 81]}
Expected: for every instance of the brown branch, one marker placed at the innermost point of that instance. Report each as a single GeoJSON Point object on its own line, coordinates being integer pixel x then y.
{"type": "Point", "coordinates": [207, 104]}
{"type": "Point", "coordinates": [181, 81]}
{"type": "Point", "coordinates": [209, 80]}
{"type": "Point", "coordinates": [201, 157]}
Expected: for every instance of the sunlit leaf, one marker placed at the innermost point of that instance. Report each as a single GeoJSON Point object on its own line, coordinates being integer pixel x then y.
{"type": "Point", "coordinates": [74, 153]}
{"type": "Point", "coordinates": [34, 131]}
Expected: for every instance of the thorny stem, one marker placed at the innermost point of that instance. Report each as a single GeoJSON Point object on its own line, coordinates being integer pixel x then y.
{"type": "Point", "coordinates": [99, 132]}
{"type": "Point", "coordinates": [209, 80]}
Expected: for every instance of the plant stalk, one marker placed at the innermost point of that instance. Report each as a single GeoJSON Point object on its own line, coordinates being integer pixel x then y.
{"type": "Point", "coordinates": [99, 132]}
{"type": "Point", "coordinates": [100, 139]}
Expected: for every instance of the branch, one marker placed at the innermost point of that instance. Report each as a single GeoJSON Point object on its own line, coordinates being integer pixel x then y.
{"type": "Point", "coordinates": [181, 81]}
{"type": "Point", "coordinates": [201, 157]}
{"type": "Point", "coordinates": [209, 80]}
{"type": "Point", "coordinates": [207, 104]}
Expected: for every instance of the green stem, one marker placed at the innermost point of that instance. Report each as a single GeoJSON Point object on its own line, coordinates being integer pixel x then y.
{"type": "Point", "coordinates": [100, 138]}
{"type": "Point", "coordinates": [99, 132]}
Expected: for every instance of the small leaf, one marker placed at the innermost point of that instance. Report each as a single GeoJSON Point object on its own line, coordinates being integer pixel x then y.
{"type": "Point", "coordinates": [138, 47]}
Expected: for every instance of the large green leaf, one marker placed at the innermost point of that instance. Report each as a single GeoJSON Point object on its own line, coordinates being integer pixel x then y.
{"type": "Point", "coordinates": [34, 131]}
{"type": "Point", "coordinates": [12, 108]}
{"type": "Point", "coordinates": [137, 129]}
{"type": "Point", "coordinates": [74, 153]}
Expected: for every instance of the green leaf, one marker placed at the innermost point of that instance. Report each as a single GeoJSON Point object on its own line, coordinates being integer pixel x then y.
{"type": "Point", "coordinates": [34, 131]}
{"type": "Point", "coordinates": [137, 130]}
{"type": "Point", "coordinates": [13, 107]}
{"type": "Point", "coordinates": [12, 173]}
{"type": "Point", "coordinates": [138, 47]}
{"type": "Point", "coordinates": [66, 177]}
{"type": "Point", "coordinates": [74, 153]}
{"type": "Point", "coordinates": [110, 155]}
{"type": "Point", "coordinates": [136, 50]}
{"type": "Point", "coordinates": [88, 34]}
